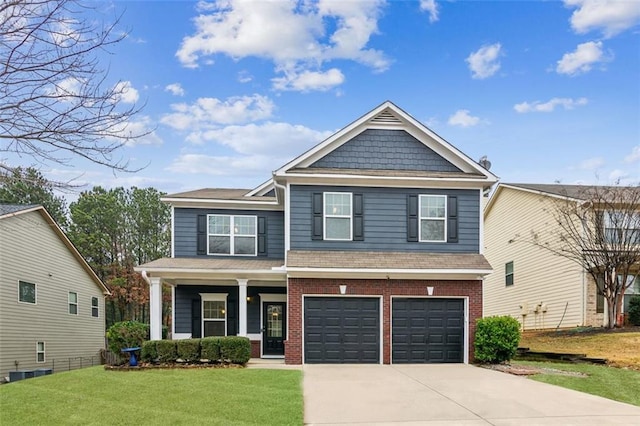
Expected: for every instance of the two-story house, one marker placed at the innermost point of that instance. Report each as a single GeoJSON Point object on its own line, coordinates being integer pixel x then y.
{"type": "Point", "coordinates": [365, 249]}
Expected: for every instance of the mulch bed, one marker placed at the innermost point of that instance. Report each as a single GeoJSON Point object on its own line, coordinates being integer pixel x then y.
{"type": "Point", "coordinates": [170, 366]}
{"type": "Point", "coordinates": [528, 370]}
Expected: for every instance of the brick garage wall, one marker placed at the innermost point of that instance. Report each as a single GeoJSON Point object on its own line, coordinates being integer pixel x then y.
{"type": "Point", "coordinates": [376, 287]}
{"type": "Point", "coordinates": [255, 349]}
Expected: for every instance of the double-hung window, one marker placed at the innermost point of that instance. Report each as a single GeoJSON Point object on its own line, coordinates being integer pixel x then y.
{"type": "Point", "coordinates": [26, 292]}
{"type": "Point", "coordinates": [508, 273]}
{"type": "Point", "coordinates": [40, 353]}
{"type": "Point", "coordinates": [232, 235]}
{"type": "Point", "coordinates": [73, 303]}
{"type": "Point", "coordinates": [95, 307]}
{"type": "Point", "coordinates": [338, 215]}
{"type": "Point", "coordinates": [621, 227]}
{"type": "Point", "coordinates": [433, 218]}
{"type": "Point", "coordinates": [214, 314]}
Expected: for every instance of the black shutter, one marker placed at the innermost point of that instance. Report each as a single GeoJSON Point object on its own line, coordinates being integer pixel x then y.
{"type": "Point", "coordinates": [316, 219]}
{"type": "Point", "coordinates": [412, 218]}
{"type": "Point", "coordinates": [262, 236]}
{"type": "Point", "coordinates": [452, 219]}
{"type": "Point", "coordinates": [196, 306]}
{"type": "Point", "coordinates": [202, 234]}
{"type": "Point", "coordinates": [358, 218]}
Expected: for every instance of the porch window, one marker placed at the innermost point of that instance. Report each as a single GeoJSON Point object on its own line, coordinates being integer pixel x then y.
{"type": "Point", "coordinates": [621, 227]}
{"type": "Point", "coordinates": [337, 216]}
{"type": "Point", "coordinates": [232, 235]}
{"type": "Point", "coordinates": [433, 218]}
{"type": "Point", "coordinates": [214, 315]}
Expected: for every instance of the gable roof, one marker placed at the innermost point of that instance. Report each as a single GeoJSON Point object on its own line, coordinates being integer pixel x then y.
{"type": "Point", "coordinates": [13, 210]}
{"type": "Point", "coordinates": [223, 197]}
{"type": "Point", "coordinates": [389, 116]}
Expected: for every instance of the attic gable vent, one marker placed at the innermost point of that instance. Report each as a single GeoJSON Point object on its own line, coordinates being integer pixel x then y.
{"type": "Point", "coordinates": [386, 117]}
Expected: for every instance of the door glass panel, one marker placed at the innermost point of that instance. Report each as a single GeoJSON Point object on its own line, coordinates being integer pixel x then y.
{"type": "Point", "coordinates": [274, 320]}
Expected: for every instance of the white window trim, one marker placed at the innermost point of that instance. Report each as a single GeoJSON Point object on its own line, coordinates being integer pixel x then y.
{"type": "Point", "coordinates": [35, 292]}
{"type": "Point", "coordinates": [232, 235]}
{"type": "Point", "coordinates": [43, 352]}
{"type": "Point", "coordinates": [421, 218]}
{"type": "Point", "coordinates": [77, 303]}
{"type": "Point", "coordinates": [97, 307]}
{"type": "Point", "coordinates": [506, 274]}
{"type": "Point", "coordinates": [621, 233]}
{"type": "Point", "coordinates": [337, 216]}
{"type": "Point", "coordinates": [213, 297]}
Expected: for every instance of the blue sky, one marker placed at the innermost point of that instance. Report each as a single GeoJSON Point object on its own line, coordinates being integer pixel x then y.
{"type": "Point", "coordinates": [549, 91]}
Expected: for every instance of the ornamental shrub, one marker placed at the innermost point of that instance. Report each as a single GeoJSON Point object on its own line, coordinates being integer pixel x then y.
{"type": "Point", "coordinates": [210, 348]}
{"type": "Point", "coordinates": [188, 349]}
{"type": "Point", "coordinates": [235, 349]}
{"type": "Point", "coordinates": [149, 352]}
{"type": "Point", "coordinates": [127, 334]}
{"type": "Point", "coordinates": [496, 339]}
{"type": "Point", "coordinates": [634, 310]}
{"type": "Point", "coordinates": [166, 350]}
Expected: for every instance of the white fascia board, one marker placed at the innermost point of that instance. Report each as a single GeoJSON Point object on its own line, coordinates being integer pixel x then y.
{"type": "Point", "coordinates": [501, 186]}
{"type": "Point", "coordinates": [182, 273]}
{"type": "Point", "coordinates": [447, 274]}
{"type": "Point", "coordinates": [223, 204]}
{"type": "Point", "coordinates": [19, 212]}
{"type": "Point", "coordinates": [386, 181]}
{"type": "Point", "coordinates": [262, 189]}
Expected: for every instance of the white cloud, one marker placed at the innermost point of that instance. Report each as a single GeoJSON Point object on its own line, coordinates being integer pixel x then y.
{"type": "Point", "coordinates": [484, 62]}
{"type": "Point", "coordinates": [634, 155]}
{"type": "Point", "coordinates": [175, 89]}
{"type": "Point", "coordinates": [582, 59]}
{"type": "Point", "coordinates": [610, 16]}
{"type": "Point", "coordinates": [244, 76]}
{"type": "Point", "coordinates": [430, 6]}
{"type": "Point", "coordinates": [207, 112]}
{"type": "Point", "coordinates": [462, 118]}
{"type": "Point", "coordinates": [294, 35]}
{"type": "Point", "coordinates": [251, 165]}
{"type": "Point", "coordinates": [550, 106]}
{"type": "Point", "coordinates": [125, 92]}
{"type": "Point", "coordinates": [618, 175]}
{"type": "Point", "coordinates": [592, 163]}
{"type": "Point", "coordinates": [142, 126]}
{"type": "Point", "coordinates": [306, 81]}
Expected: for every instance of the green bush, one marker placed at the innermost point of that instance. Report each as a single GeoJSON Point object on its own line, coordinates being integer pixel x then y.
{"type": "Point", "coordinates": [166, 350]}
{"type": "Point", "coordinates": [127, 334]}
{"type": "Point", "coordinates": [188, 349]}
{"type": "Point", "coordinates": [496, 339]}
{"type": "Point", "coordinates": [210, 348]}
{"type": "Point", "coordinates": [235, 349]}
{"type": "Point", "coordinates": [634, 310]}
{"type": "Point", "coordinates": [149, 352]}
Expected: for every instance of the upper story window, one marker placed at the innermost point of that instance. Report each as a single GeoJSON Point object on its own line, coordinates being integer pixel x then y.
{"type": "Point", "coordinates": [232, 235]}
{"type": "Point", "coordinates": [621, 227]}
{"type": "Point", "coordinates": [433, 218]}
{"type": "Point", "coordinates": [95, 307]}
{"type": "Point", "coordinates": [337, 216]}
{"type": "Point", "coordinates": [508, 273]}
{"type": "Point", "coordinates": [26, 292]}
{"type": "Point", "coordinates": [73, 303]}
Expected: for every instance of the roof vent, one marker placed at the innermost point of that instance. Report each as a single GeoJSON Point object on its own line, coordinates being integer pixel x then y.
{"type": "Point", "coordinates": [386, 117]}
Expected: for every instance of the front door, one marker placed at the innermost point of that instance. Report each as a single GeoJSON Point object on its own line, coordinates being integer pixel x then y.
{"type": "Point", "coordinates": [274, 328]}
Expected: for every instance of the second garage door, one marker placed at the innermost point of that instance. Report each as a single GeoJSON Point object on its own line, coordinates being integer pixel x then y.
{"type": "Point", "coordinates": [341, 330]}
{"type": "Point", "coordinates": [427, 330]}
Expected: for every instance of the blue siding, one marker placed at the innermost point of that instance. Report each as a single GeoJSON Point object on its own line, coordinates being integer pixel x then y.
{"type": "Point", "coordinates": [186, 295]}
{"type": "Point", "coordinates": [185, 222]}
{"type": "Point", "coordinates": [385, 150]}
{"type": "Point", "coordinates": [385, 220]}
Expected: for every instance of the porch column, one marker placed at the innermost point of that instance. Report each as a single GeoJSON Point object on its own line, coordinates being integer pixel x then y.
{"type": "Point", "coordinates": [242, 309]}
{"type": "Point", "coordinates": [155, 308]}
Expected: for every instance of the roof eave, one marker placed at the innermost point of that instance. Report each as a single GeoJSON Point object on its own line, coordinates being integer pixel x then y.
{"type": "Point", "coordinates": [429, 274]}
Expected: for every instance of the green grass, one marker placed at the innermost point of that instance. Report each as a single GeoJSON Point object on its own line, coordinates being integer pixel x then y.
{"type": "Point", "coordinates": [609, 382]}
{"type": "Point", "coordinates": [215, 396]}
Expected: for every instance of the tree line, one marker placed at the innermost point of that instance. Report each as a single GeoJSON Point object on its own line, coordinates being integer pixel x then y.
{"type": "Point", "coordinates": [114, 230]}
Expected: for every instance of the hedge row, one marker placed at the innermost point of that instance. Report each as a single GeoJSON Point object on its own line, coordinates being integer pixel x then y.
{"type": "Point", "coordinates": [230, 349]}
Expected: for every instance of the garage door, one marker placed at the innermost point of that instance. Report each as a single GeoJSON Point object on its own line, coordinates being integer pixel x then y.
{"type": "Point", "coordinates": [427, 330]}
{"type": "Point", "coordinates": [341, 330]}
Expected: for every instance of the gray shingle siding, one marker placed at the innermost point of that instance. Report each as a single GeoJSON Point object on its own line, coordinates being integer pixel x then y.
{"type": "Point", "coordinates": [385, 150]}
{"type": "Point", "coordinates": [385, 220]}
{"type": "Point", "coordinates": [185, 223]}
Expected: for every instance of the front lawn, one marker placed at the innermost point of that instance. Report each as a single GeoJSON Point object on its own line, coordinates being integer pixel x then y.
{"type": "Point", "coordinates": [614, 383]}
{"type": "Point", "coordinates": [213, 396]}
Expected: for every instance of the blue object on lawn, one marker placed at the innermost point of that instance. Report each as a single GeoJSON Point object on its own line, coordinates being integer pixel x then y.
{"type": "Point", "coordinates": [133, 362]}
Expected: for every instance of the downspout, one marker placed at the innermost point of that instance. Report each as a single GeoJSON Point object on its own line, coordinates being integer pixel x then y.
{"type": "Point", "coordinates": [285, 204]}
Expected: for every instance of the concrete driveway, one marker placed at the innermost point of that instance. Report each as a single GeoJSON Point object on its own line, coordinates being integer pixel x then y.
{"type": "Point", "coordinates": [449, 394]}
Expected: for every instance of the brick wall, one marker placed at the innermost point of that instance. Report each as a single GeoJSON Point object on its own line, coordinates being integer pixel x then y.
{"type": "Point", "coordinates": [376, 287]}
{"type": "Point", "coordinates": [255, 349]}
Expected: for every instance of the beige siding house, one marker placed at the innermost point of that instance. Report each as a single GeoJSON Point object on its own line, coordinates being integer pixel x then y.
{"type": "Point", "coordinates": [51, 302]}
{"type": "Point", "coordinates": [538, 288]}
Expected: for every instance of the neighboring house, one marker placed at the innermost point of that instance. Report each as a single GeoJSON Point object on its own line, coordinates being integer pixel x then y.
{"type": "Point", "coordinates": [540, 289]}
{"type": "Point", "coordinates": [365, 249]}
{"type": "Point", "coordinates": [51, 302]}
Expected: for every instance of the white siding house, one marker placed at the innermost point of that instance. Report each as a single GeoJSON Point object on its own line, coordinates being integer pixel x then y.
{"type": "Point", "coordinates": [51, 302]}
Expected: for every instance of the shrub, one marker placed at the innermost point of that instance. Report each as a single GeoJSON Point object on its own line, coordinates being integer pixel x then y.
{"type": "Point", "coordinates": [149, 352]}
{"type": "Point", "coordinates": [188, 349]}
{"type": "Point", "coordinates": [166, 350]}
{"type": "Point", "coordinates": [235, 349]}
{"type": "Point", "coordinates": [634, 310]}
{"type": "Point", "coordinates": [497, 339]}
{"type": "Point", "coordinates": [210, 348]}
{"type": "Point", "coordinates": [127, 334]}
